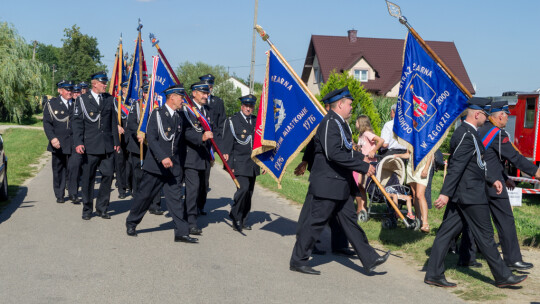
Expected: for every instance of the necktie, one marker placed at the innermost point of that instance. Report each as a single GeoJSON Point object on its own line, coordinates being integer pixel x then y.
{"type": "Point", "coordinates": [100, 99]}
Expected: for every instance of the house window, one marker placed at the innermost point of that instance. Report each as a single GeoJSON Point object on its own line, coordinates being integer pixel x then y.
{"type": "Point", "coordinates": [361, 75]}
{"type": "Point", "coordinates": [317, 75]}
{"type": "Point", "coordinates": [530, 113]}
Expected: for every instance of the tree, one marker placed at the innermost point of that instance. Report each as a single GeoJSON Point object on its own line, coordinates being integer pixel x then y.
{"type": "Point", "coordinates": [362, 104]}
{"type": "Point", "coordinates": [80, 56]}
{"type": "Point", "coordinates": [21, 80]}
{"type": "Point", "coordinates": [189, 73]}
{"type": "Point", "coordinates": [50, 56]}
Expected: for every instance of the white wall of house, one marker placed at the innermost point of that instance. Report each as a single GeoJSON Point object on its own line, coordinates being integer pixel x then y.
{"type": "Point", "coordinates": [313, 83]}
{"type": "Point", "coordinates": [363, 65]}
{"type": "Point", "coordinates": [394, 92]}
{"type": "Point", "coordinates": [237, 84]}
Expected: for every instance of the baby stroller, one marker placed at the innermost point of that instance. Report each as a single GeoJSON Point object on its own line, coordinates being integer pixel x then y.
{"type": "Point", "coordinates": [391, 174]}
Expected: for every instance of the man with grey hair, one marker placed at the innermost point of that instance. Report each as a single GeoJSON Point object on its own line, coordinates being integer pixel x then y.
{"type": "Point", "coordinates": [391, 145]}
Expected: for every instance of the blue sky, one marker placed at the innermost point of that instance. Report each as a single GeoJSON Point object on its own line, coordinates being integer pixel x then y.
{"type": "Point", "coordinates": [498, 40]}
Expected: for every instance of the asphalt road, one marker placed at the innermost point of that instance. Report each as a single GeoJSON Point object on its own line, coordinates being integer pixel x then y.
{"type": "Point", "coordinates": [50, 255]}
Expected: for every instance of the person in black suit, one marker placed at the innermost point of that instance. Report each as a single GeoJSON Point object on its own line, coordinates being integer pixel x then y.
{"type": "Point", "coordinates": [163, 166]}
{"type": "Point", "coordinates": [333, 187]}
{"type": "Point", "coordinates": [499, 149]}
{"type": "Point", "coordinates": [121, 157]}
{"type": "Point", "coordinates": [217, 106]}
{"type": "Point", "coordinates": [199, 156]}
{"type": "Point", "coordinates": [237, 145]}
{"type": "Point", "coordinates": [134, 139]}
{"type": "Point", "coordinates": [57, 126]}
{"type": "Point", "coordinates": [463, 193]}
{"type": "Point", "coordinates": [84, 87]}
{"type": "Point", "coordinates": [75, 159]}
{"type": "Point", "coordinates": [95, 133]}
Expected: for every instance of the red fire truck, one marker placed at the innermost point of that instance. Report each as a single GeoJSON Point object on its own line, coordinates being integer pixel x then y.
{"type": "Point", "coordinates": [524, 122]}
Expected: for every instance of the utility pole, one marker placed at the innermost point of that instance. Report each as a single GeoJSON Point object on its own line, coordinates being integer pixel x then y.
{"type": "Point", "coordinates": [53, 70]}
{"type": "Point", "coordinates": [252, 71]}
{"type": "Point", "coordinates": [34, 53]}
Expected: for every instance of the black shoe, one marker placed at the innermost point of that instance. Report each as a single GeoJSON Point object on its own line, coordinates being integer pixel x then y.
{"type": "Point", "coordinates": [104, 215]}
{"type": "Point", "coordinates": [74, 199]}
{"type": "Point", "coordinates": [202, 212]}
{"type": "Point", "coordinates": [346, 252]}
{"type": "Point", "coordinates": [237, 226]}
{"type": "Point", "coordinates": [473, 264]}
{"type": "Point", "coordinates": [379, 261]}
{"type": "Point", "coordinates": [86, 217]}
{"type": "Point", "coordinates": [122, 195]}
{"type": "Point", "coordinates": [439, 282]}
{"type": "Point", "coordinates": [511, 280]}
{"type": "Point", "coordinates": [195, 231]}
{"type": "Point", "coordinates": [131, 231]}
{"type": "Point", "coordinates": [520, 265]}
{"type": "Point", "coordinates": [60, 200]}
{"type": "Point", "coordinates": [304, 269]}
{"type": "Point", "coordinates": [156, 212]}
{"type": "Point", "coordinates": [186, 239]}
{"type": "Point", "coordinates": [246, 227]}
{"type": "Point", "coordinates": [317, 251]}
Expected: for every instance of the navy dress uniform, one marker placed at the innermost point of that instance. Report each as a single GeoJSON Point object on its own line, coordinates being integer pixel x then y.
{"type": "Point", "coordinates": [165, 136]}
{"type": "Point", "coordinates": [133, 146]}
{"type": "Point", "coordinates": [57, 113]}
{"type": "Point", "coordinates": [75, 159]}
{"type": "Point", "coordinates": [238, 143]}
{"type": "Point", "coordinates": [218, 110]}
{"type": "Point", "coordinates": [464, 185]}
{"type": "Point", "coordinates": [95, 126]}
{"type": "Point", "coordinates": [499, 149]}
{"type": "Point", "coordinates": [198, 159]}
{"type": "Point", "coordinates": [122, 155]}
{"type": "Point", "coordinates": [333, 189]}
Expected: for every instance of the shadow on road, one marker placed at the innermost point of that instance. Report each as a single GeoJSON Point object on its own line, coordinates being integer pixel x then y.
{"type": "Point", "coordinates": [15, 203]}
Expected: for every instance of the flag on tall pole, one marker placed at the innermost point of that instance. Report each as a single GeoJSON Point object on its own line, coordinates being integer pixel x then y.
{"type": "Point", "coordinates": [136, 76]}
{"type": "Point", "coordinates": [287, 119]}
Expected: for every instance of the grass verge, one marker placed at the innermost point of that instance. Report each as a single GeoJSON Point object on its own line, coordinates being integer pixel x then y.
{"type": "Point", "coordinates": [23, 147]}
{"type": "Point", "coordinates": [474, 285]}
{"type": "Point", "coordinates": [35, 121]}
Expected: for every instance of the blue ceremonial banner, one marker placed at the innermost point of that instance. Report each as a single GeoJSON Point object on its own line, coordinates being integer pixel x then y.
{"type": "Point", "coordinates": [428, 103]}
{"type": "Point", "coordinates": [134, 83]}
{"type": "Point", "coordinates": [286, 121]}
{"type": "Point", "coordinates": [161, 80]}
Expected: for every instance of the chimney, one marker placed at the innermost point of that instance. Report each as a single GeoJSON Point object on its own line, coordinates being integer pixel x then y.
{"type": "Point", "coordinates": [352, 35]}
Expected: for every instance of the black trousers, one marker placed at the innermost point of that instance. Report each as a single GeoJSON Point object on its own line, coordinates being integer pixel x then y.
{"type": "Point", "coordinates": [242, 198]}
{"type": "Point", "coordinates": [479, 221]}
{"type": "Point", "coordinates": [106, 167]}
{"type": "Point", "coordinates": [503, 218]}
{"type": "Point", "coordinates": [74, 172]}
{"type": "Point", "coordinates": [122, 170]}
{"type": "Point", "coordinates": [338, 239]}
{"type": "Point", "coordinates": [150, 186]}
{"type": "Point", "coordinates": [321, 211]}
{"type": "Point", "coordinates": [137, 173]}
{"type": "Point", "coordinates": [196, 192]}
{"type": "Point", "coordinates": [59, 169]}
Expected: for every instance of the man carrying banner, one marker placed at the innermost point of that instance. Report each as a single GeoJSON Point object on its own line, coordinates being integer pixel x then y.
{"type": "Point", "coordinates": [95, 133]}
{"type": "Point", "coordinates": [57, 126]}
{"type": "Point", "coordinates": [333, 187]}
{"type": "Point", "coordinates": [133, 146]}
{"type": "Point", "coordinates": [237, 145]}
{"type": "Point", "coordinates": [121, 157]}
{"type": "Point", "coordinates": [462, 194]}
{"type": "Point", "coordinates": [218, 109]}
{"type": "Point", "coordinates": [499, 149]}
{"type": "Point", "coordinates": [199, 158]}
{"type": "Point", "coordinates": [163, 166]}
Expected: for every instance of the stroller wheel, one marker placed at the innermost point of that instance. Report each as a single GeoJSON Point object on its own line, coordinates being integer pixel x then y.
{"type": "Point", "coordinates": [363, 217]}
{"type": "Point", "coordinates": [388, 223]}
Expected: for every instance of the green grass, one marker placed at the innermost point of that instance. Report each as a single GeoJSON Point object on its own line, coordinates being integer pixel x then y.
{"type": "Point", "coordinates": [475, 284]}
{"type": "Point", "coordinates": [23, 147]}
{"type": "Point", "coordinates": [35, 121]}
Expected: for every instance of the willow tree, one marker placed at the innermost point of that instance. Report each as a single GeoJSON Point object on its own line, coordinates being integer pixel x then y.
{"type": "Point", "coordinates": [21, 79]}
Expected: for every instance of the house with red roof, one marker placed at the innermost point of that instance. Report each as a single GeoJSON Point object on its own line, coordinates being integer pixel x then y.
{"type": "Point", "coordinates": [376, 62]}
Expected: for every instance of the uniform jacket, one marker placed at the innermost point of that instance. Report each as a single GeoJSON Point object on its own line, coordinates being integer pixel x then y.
{"type": "Point", "coordinates": [54, 112]}
{"type": "Point", "coordinates": [331, 175]}
{"type": "Point", "coordinates": [217, 106]}
{"type": "Point", "coordinates": [499, 151]}
{"type": "Point", "coordinates": [165, 142]}
{"type": "Point", "coordinates": [123, 124]}
{"type": "Point", "coordinates": [465, 181]}
{"type": "Point", "coordinates": [240, 154]}
{"type": "Point", "coordinates": [131, 130]}
{"type": "Point", "coordinates": [98, 137]}
{"type": "Point", "coordinates": [197, 151]}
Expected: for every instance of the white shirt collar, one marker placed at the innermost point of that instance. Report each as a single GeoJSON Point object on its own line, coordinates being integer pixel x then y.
{"type": "Point", "coordinates": [171, 111]}
{"type": "Point", "coordinates": [96, 96]}
{"type": "Point", "coordinates": [470, 124]}
{"type": "Point", "coordinates": [66, 102]}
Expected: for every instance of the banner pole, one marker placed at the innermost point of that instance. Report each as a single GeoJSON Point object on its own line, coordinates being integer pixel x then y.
{"type": "Point", "coordinates": [139, 40]}
{"type": "Point", "coordinates": [119, 73]}
{"type": "Point", "coordinates": [191, 105]}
